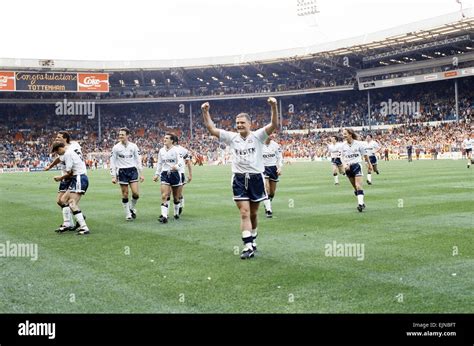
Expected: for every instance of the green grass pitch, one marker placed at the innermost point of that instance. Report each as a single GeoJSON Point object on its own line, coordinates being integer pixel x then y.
{"type": "Point", "coordinates": [417, 233]}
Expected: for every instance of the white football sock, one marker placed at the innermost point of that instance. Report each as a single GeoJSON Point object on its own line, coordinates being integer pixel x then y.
{"type": "Point", "coordinates": [126, 207]}
{"type": "Point", "coordinates": [67, 215]}
{"type": "Point", "coordinates": [164, 210]}
{"type": "Point", "coordinates": [267, 204]}
{"type": "Point", "coordinates": [80, 219]}
{"type": "Point", "coordinates": [176, 208]}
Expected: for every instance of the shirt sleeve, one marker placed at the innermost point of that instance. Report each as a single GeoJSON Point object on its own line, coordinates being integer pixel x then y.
{"type": "Point", "coordinates": [113, 170]}
{"type": "Point", "coordinates": [279, 156]}
{"type": "Point", "coordinates": [261, 134]}
{"type": "Point", "coordinates": [179, 159]}
{"type": "Point", "coordinates": [226, 136]}
{"type": "Point", "coordinates": [186, 155]}
{"type": "Point", "coordinates": [138, 159]}
{"type": "Point", "coordinates": [362, 149]}
{"type": "Point", "coordinates": [159, 164]}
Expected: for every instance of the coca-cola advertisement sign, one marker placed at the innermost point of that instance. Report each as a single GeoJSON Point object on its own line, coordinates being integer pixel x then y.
{"type": "Point", "coordinates": [7, 81]}
{"type": "Point", "coordinates": [96, 82]}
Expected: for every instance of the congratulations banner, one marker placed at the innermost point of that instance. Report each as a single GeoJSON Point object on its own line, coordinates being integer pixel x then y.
{"type": "Point", "coordinates": [54, 82]}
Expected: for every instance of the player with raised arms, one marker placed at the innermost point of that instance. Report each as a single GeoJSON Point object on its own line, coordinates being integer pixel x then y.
{"type": "Point", "coordinates": [247, 168]}
{"type": "Point", "coordinates": [126, 169]}
{"type": "Point", "coordinates": [352, 152]}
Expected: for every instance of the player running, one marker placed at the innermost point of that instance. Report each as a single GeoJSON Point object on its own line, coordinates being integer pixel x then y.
{"type": "Point", "coordinates": [334, 149]}
{"type": "Point", "coordinates": [273, 163]}
{"type": "Point", "coordinates": [185, 155]}
{"type": "Point", "coordinates": [352, 152]}
{"type": "Point", "coordinates": [167, 170]}
{"type": "Point", "coordinates": [76, 171]}
{"type": "Point", "coordinates": [247, 168]}
{"type": "Point", "coordinates": [126, 169]}
{"type": "Point", "coordinates": [371, 149]}
{"type": "Point", "coordinates": [63, 136]}
{"type": "Point", "coordinates": [467, 145]}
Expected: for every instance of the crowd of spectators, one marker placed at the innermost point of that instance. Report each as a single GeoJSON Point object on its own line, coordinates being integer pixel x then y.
{"type": "Point", "coordinates": [28, 130]}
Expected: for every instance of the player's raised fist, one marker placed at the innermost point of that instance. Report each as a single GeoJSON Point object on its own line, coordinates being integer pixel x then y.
{"type": "Point", "coordinates": [272, 101]}
{"type": "Point", "coordinates": [205, 106]}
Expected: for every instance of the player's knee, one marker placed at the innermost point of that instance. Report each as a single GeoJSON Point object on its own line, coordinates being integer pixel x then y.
{"type": "Point", "coordinates": [72, 204]}
{"type": "Point", "coordinates": [244, 213]}
{"type": "Point", "coordinates": [135, 196]}
{"type": "Point", "coordinates": [63, 201]}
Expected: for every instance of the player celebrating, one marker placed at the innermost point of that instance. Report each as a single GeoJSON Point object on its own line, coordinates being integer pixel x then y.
{"type": "Point", "coordinates": [371, 149]}
{"type": "Point", "coordinates": [167, 170]}
{"type": "Point", "coordinates": [247, 168]}
{"type": "Point", "coordinates": [334, 149]}
{"type": "Point", "coordinates": [77, 173]}
{"type": "Point", "coordinates": [467, 145]}
{"type": "Point", "coordinates": [126, 168]}
{"type": "Point", "coordinates": [352, 151]}
{"type": "Point", "coordinates": [68, 224]}
{"type": "Point", "coordinates": [273, 163]}
{"type": "Point", "coordinates": [186, 157]}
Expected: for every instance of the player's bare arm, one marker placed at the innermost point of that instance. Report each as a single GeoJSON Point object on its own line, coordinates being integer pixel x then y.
{"type": "Point", "coordinates": [52, 164]}
{"type": "Point", "coordinates": [213, 130]}
{"type": "Point", "coordinates": [369, 165]}
{"type": "Point", "coordinates": [190, 170]}
{"type": "Point", "coordinates": [68, 175]}
{"type": "Point", "coordinates": [270, 128]}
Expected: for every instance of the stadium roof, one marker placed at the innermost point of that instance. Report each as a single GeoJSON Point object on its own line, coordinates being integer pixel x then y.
{"type": "Point", "coordinates": [442, 26]}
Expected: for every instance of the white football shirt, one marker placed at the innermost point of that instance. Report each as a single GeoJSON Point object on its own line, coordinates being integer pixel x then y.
{"type": "Point", "coordinates": [371, 147]}
{"type": "Point", "coordinates": [468, 143]}
{"type": "Point", "coordinates": [125, 156]}
{"type": "Point", "coordinates": [335, 149]}
{"type": "Point", "coordinates": [352, 153]}
{"type": "Point", "coordinates": [75, 146]}
{"type": "Point", "coordinates": [247, 153]}
{"type": "Point", "coordinates": [183, 154]}
{"type": "Point", "coordinates": [272, 154]}
{"type": "Point", "coordinates": [73, 161]}
{"type": "Point", "coordinates": [168, 158]}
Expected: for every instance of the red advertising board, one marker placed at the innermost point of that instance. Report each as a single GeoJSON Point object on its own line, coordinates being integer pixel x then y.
{"type": "Point", "coordinates": [7, 81]}
{"type": "Point", "coordinates": [93, 82]}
